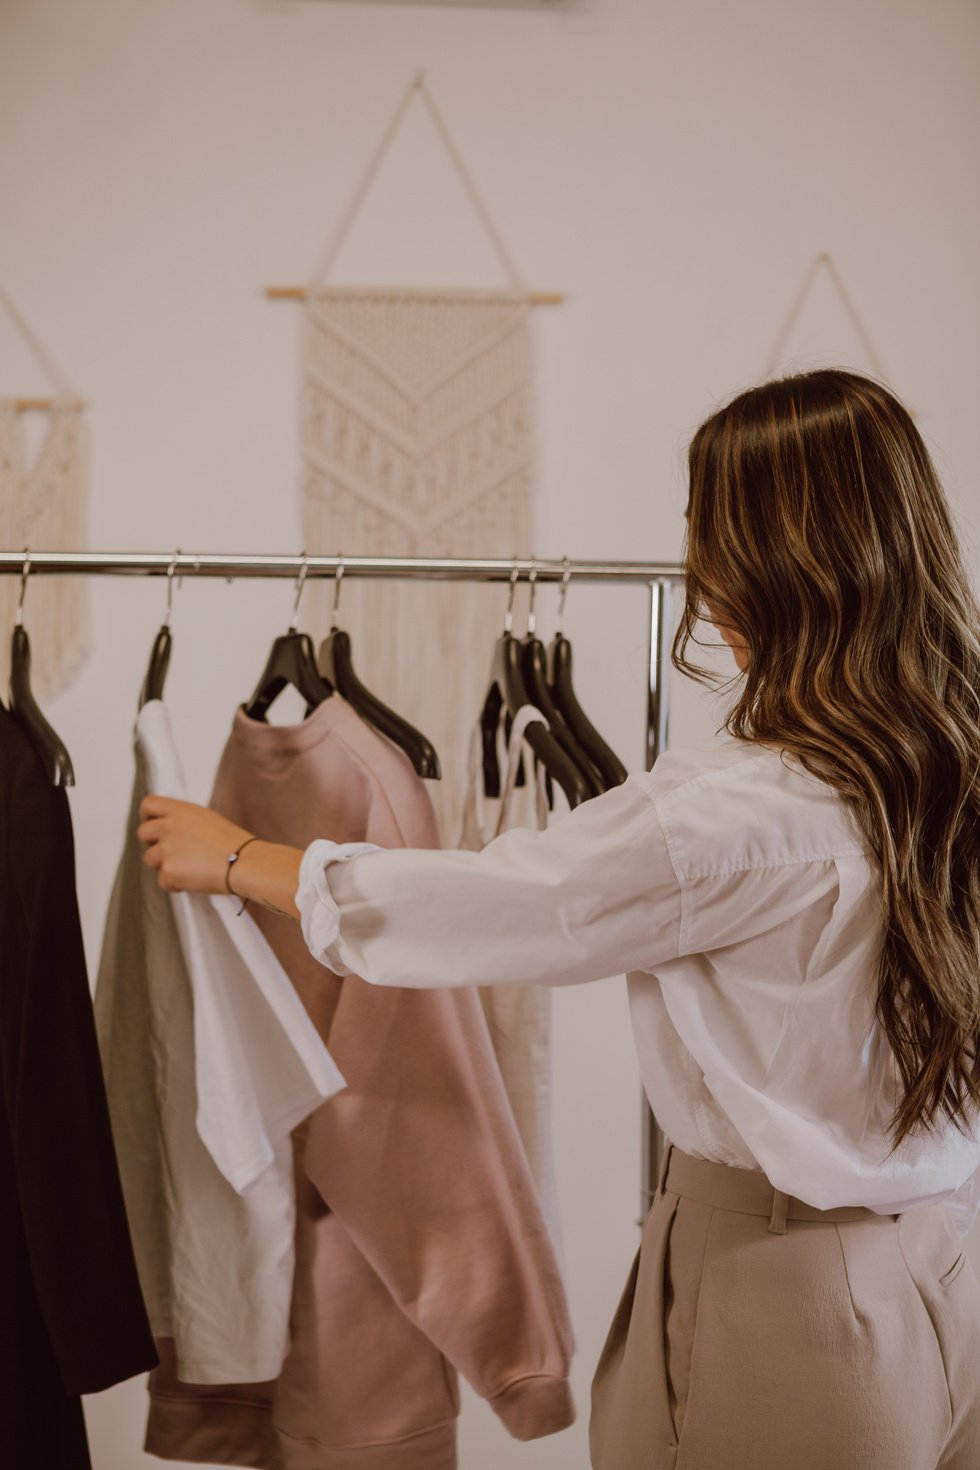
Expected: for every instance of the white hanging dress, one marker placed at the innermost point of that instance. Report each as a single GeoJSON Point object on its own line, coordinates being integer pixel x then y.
{"type": "Point", "coordinates": [518, 1016]}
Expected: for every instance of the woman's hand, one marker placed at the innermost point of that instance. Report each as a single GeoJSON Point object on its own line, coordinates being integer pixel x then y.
{"type": "Point", "coordinates": [187, 844]}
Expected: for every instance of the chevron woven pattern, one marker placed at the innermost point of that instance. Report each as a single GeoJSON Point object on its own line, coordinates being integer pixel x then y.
{"type": "Point", "coordinates": [417, 440]}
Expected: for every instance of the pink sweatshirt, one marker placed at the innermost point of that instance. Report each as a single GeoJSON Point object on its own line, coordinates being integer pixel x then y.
{"type": "Point", "coordinates": [421, 1247]}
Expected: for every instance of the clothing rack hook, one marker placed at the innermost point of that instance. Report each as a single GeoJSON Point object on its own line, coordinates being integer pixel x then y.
{"type": "Point", "coordinates": [300, 583]}
{"type": "Point", "coordinates": [509, 616]}
{"type": "Point", "coordinates": [566, 577]}
{"type": "Point", "coordinates": [24, 574]}
{"type": "Point", "coordinates": [532, 579]}
{"type": "Point", "coordinates": [338, 578]}
{"type": "Point", "coordinates": [171, 569]}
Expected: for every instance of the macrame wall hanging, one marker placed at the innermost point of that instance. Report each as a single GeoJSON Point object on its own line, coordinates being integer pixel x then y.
{"type": "Point", "coordinates": [824, 265]}
{"type": "Point", "coordinates": [417, 440]}
{"type": "Point", "coordinates": [44, 495]}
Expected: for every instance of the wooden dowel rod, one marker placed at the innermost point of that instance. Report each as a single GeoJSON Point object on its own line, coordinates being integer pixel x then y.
{"type": "Point", "coordinates": [298, 293]}
{"type": "Point", "coordinates": [31, 405]}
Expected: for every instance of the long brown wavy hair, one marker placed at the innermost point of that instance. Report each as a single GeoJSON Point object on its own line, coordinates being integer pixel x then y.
{"type": "Point", "coordinates": [818, 530]}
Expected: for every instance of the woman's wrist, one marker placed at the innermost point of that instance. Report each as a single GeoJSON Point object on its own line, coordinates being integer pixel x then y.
{"type": "Point", "coordinates": [268, 873]}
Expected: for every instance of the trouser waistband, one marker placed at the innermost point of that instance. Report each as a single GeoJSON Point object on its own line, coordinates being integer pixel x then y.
{"type": "Point", "coordinates": [744, 1191]}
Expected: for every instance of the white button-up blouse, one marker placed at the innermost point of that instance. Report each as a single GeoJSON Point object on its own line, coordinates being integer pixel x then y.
{"type": "Point", "coordinates": [735, 891]}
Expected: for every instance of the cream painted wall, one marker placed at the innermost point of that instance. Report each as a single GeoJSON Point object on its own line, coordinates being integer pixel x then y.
{"type": "Point", "coordinates": [673, 165]}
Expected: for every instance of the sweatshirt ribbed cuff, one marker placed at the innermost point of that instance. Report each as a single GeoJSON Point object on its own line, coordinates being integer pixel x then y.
{"type": "Point", "coordinates": [535, 1406]}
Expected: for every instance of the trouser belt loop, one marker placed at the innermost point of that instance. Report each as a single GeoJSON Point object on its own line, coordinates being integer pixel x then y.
{"type": "Point", "coordinates": [777, 1219]}
{"type": "Point", "coordinates": [664, 1166]}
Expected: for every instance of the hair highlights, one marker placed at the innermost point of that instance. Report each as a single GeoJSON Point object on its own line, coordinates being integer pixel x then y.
{"type": "Point", "coordinates": [817, 527]}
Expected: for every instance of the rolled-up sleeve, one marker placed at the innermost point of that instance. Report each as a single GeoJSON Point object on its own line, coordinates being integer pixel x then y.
{"type": "Point", "coordinates": [595, 895]}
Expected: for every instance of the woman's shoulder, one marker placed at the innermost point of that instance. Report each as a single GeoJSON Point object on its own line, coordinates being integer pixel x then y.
{"type": "Point", "coordinates": [733, 804]}
{"type": "Point", "coordinates": [709, 764]}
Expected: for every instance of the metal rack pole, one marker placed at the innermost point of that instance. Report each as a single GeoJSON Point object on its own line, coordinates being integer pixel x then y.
{"type": "Point", "coordinates": [658, 577]}
{"type": "Point", "coordinates": [661, 632]}
{"type": "Point", "coordinates": [220, 564]}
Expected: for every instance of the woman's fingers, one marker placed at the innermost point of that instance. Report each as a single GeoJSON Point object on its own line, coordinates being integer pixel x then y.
{"type": "Point", "coordinates": [186, 844]}
{"type": "Point", "coordinates": [152, 830]}
{"type": "Point", "coordinates": [156, 806]}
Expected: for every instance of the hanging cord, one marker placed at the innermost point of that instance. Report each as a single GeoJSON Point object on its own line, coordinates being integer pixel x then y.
{"type": "Point", "coordinates": [416, 88]}
{"type": "Point", "coordinates": [469, 183]}
{"type": "Point", "coordinates": [58, 378]}
{"type": "Point", "coordinates": [823, 262]}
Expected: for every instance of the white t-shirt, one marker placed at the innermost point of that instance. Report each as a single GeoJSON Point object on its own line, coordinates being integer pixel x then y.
{"type": "Point", "coordinates": [210, 1061]}
{"type": "Point", "coordinates": [735, 891]}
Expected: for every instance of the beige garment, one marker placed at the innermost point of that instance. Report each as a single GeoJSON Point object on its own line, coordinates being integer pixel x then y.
{"type": "Point", "coordinates": [421, 1248]}
{"type": "Point", "coordinates": [417, 437]}
{"type": "Point", "coordinates": [519, 1016]}
{"type": "Point", "coordinates": [210, 1061]}
{"type": "Point", "coordinates": [759, 1333]}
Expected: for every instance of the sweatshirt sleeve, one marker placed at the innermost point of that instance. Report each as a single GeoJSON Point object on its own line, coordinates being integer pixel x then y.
{"type": "Point", "coordinates": [420, 1160]}
{"type": "Point", "coordinates": [594, 895]}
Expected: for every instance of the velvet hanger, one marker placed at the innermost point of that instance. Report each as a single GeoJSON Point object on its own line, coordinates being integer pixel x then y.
{"type": "Point", "coordinates": [534, 665]}
{"type": "Point", "coordinates": [508, 690]}
{"type": "Point", "coordinates": [603, 759]}
{"type": "Point", "coordinates": [156, 670]}
{"type": "Point", "coordinates": [22, 704]}
{"type": "Point", "coordinates": [335, 661]}
{"type": "Point", "coordinates": [291, 661]}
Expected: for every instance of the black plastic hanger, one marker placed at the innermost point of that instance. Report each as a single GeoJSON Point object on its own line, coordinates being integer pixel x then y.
{"type": "Point", "coordinates": [156, 670]}
{"type": "Point", "coordinates": [508, 690]}
{"type": "Point", "coordinates": [534, 665]}
{"type": "Point", "coordinates": [23, 706]}
{"type": "Point", "coordinates": [335, 662]}
{"type": "Point", "coordinates": [291, 661]}
{"type": "Point", "coordinates": [492, 712]}
{"type": "Point", "coordinates": [603, 758]}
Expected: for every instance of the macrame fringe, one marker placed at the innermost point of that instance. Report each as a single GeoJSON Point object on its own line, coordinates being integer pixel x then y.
{"type": "Point", "coordinates": [424, 648]}
{"type": "Point", "coordinates": [417, 440]}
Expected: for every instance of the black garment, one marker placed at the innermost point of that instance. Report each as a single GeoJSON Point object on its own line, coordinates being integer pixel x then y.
{"type": "Point", "coordinates": [72, 1319]}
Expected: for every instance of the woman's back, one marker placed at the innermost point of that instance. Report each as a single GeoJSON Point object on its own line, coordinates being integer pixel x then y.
{"type": "Point", "coordinates": [782, 1064]}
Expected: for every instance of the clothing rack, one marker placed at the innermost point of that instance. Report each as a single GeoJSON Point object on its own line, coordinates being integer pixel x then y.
{"type": "Point", "coordinates": [658, 577]}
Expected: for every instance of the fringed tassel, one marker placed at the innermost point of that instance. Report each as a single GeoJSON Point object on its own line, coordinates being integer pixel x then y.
{"type": "Point", "coordinates": [424, 648]}
{"type": "Point", "coordinates": [44, 505]}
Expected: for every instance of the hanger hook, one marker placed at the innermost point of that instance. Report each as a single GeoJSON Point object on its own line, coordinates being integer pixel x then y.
{"type": "Point", "coordinates": [170, 587]}
{"type": "Point", "coordinates": [338, 578]}
{"type": "Point", "coordinates": [509, 616]}
{"type": "Point", "coordinates": [300, 583]}
{"type": "Point", "coordinates": [566, 577]}
{"type": "Point", "coordinates": [532, 578]}
{"type": "Point", "coordinates": [25, 572]}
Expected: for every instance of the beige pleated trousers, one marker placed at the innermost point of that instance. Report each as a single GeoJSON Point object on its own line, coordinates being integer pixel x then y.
{"type": "Point", "coordinates": [758, 1333]}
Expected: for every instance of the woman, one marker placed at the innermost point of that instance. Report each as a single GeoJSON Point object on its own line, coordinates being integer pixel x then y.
{"type": "Point", "coordinates": [798, 909]}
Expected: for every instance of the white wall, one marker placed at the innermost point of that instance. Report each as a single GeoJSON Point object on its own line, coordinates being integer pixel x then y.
{"type": "Point", "coordinates": [673, 165]}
